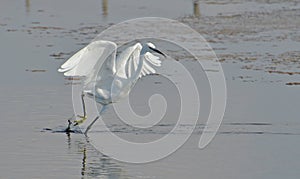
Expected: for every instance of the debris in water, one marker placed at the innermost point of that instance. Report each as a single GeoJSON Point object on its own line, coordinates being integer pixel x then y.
{"type": "Point", "coordinates": [293, 83]}
{"type": "Point", "coordinates": [35, 70]}
{"type": "Point", "coordinates": [284, 72]}
{"type": "Point", "coordinates": [47, 28]}
{"type": "Point", "coordinates": [72, 78]}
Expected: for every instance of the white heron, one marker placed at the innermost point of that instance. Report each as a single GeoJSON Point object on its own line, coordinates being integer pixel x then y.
{"type": "Point", "coordinates": [117, 73]}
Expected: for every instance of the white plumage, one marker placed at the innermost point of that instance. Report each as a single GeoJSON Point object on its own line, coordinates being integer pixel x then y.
{"type": "Point", "coordinates": [108, 76]}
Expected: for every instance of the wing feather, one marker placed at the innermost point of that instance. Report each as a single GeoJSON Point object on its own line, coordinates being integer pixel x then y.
{"type": "Point", "coordinates": [85, 60]}
{"type": "Point", "coordinates": [154, 60]}
{"type": "Point", "coordinates": [128, 61]}
{"type": "Point", "coordinates": [150, 62]}
{"type": "Point", "coordinates": [148, 68]}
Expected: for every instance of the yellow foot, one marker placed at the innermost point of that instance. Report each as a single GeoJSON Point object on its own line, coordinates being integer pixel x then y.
{"type": "Point", "coordinates": [80, 121]}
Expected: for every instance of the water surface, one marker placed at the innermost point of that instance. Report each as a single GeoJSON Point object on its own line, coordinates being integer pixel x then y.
{"type": "Point", "coordinates": [259, 136]}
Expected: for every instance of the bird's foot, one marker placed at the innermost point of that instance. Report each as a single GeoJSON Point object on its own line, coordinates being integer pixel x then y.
{"type": "Point", "coordinates": [80, 121]}
{"type": "Point", "coordinates": [68, 129]}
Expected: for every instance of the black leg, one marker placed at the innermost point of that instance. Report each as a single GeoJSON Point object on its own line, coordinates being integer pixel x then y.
{"type": "Point", "coordinates": [92, 123]}
{"type": "Point", "coordinates": [83, 106]}
{"type": "Point", "coordinates": [90, 126]}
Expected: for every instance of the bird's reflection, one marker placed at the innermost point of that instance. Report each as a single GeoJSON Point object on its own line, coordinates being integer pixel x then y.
{"type": "Point", "coordinates": [83, 168]}
{"type": "Point", "coordinates": [69, 140]}
{"type": "Point", "coordinates": [93, 163]}
{"type": "Point", "coordinates": [196, 8]}
{"type": "Point", "coordinates": [104, 8]}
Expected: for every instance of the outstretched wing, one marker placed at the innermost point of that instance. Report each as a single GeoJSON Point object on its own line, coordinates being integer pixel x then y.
{"type": "Point", "coordinates": [128, 61]}
{"type": "Point", "coordinates": [90, 58]}
{"type": "Point", "coordinates": [131, 64]}
{"type": "Point", "coordinates": [150, 61]}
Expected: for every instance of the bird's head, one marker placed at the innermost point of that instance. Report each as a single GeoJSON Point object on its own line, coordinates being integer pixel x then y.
{"type": "Point", "coordinates": [151, 47]}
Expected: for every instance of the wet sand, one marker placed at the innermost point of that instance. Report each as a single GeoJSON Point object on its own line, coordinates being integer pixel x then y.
{"type": "Point", "coordinates": [257, 43]}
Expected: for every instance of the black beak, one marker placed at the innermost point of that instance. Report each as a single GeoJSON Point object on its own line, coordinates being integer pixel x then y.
{"type": "Point", "coordinates": [157, 51]}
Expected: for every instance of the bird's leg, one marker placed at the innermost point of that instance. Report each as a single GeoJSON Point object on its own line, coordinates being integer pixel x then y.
{"type": "Point", "coordinates": [90, 126]}
{"type": "Point", "coordinates": [92, 123]}
{"type": "Point", "coordinates": [84, 117]}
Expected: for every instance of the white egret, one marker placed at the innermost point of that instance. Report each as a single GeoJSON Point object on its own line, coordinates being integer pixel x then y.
{"type": "Point", "coordinates": [117, 73]}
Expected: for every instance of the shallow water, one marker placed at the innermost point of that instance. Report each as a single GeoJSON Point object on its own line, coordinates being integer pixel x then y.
{"type": "Point", "coordinates": [259, 136]}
